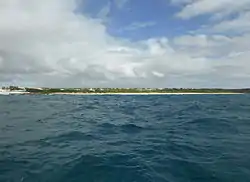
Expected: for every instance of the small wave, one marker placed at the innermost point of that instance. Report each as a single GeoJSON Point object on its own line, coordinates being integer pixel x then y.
{"type": "Point", "coordinates": [109, 167]}
{"type": "Point", "coordinates": [107, 125]}
{"type": "Point", "coordinates": [73, 135]}
{"type": "Point", "coordinates": [210, 122]}
{"type": "Point", "coordinates": [7, 127]}
{"type": "Point", "coordinates": [54, 140]}
{"type": "Point", "coordinates": [126, 128]}
{"type": "Point", "coordinates": [131, 128]}
{"type": "Point", "coordinates": [211, 125]}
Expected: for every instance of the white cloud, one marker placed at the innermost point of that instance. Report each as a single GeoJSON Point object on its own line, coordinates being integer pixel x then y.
{"type": "Point", "coordinates": [189, 40]}
{"type": "Point", "coordinates": [239, 24]}
{"type": "Point", "coordinates": [158, 74]}
{"type": "Point", "coordinates": [121, 3]}
{"type": "Point", "coordinates": [43, 43]}
{"type": "Point", "coordinates": [182, 2]}
{"type": "Point", "coordinates": [201, 45]}
{"type": "Point", "coordinates": [138, 25]}
{"type": "Point", "coordinates": [218, 8]}
{"type": "Point", "coordinates": [104, 12]}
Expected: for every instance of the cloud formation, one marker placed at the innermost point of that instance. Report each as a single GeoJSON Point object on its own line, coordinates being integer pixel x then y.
{"type": "Point", "coordinates": [138, 25]}
{"type": "Point", "coordinates": [121, 3]}
{"type": "Point", "coordinates": [219, 8]}
{"type": "Point", "coordinates": [240, 24]}
{"type": "Point", "coordinates": [44, 43]}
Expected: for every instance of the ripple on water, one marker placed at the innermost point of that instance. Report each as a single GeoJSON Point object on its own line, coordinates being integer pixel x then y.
{"type": "Point", "coordinates": [199, 138]}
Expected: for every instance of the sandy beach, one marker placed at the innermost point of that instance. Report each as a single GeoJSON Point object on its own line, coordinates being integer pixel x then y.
{"type": "Point", "coordinates": [144, 93]}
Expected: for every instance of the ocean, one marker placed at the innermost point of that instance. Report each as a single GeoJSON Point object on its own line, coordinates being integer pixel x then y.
{"type": "Point", "coordinates": [142, 138]}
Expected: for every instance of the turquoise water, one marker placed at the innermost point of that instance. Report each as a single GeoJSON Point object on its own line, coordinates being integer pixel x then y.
{"type": "Point", "coordinates": [190, 138]}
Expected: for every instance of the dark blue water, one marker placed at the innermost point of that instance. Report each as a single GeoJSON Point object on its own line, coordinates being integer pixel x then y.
{"type": "Point", "coordinates": [192, 138]}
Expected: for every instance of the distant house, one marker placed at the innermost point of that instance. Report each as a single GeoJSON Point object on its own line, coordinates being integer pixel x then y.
{"type": "Point", "coordinates": [38, 88]}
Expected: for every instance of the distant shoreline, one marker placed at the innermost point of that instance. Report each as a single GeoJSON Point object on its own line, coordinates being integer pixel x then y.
{"type": "Point", "coordinates": [15, 90]}
{"type": "Point", "coordinates": [142, 93]}
{"type": "Point", "coordinates": [64, 93]}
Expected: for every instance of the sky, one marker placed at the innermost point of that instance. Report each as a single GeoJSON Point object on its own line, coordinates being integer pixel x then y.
{"type": "Point", "coordinates": [125, 43]}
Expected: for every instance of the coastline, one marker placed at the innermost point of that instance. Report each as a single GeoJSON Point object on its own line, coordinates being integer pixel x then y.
{"type": "Point", "coordinates": [58, 93]}
{"type": "Point", "coordinates": [122, 93]}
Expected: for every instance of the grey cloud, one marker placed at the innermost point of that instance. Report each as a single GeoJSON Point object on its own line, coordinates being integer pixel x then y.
{"type": "Point", "coordinates": [16, 63]}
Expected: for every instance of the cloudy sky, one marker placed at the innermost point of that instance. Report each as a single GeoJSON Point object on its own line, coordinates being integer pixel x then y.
{"type": "Point", "coordinates": [125, 43]}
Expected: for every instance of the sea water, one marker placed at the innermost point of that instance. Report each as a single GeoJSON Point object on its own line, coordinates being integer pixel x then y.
{"type": "Point", "coordinates": [142, 138]}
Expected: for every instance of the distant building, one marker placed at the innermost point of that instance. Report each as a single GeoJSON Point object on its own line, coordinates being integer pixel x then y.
{"type": "Point", "coordinates": [34, 88]}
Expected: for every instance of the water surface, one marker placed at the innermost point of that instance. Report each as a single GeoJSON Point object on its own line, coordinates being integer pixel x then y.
{"type": "Point", "coordinates": [164, 138]}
